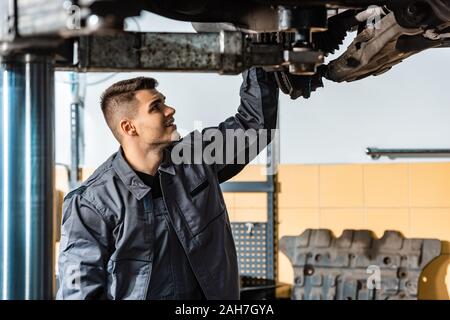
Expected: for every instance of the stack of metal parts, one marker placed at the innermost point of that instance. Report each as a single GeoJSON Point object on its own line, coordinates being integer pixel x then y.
{"type": "Point", "coordinates": [357, 266]}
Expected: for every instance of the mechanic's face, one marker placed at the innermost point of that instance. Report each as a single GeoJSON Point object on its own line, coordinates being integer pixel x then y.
{"type": "Point", "coordinates": [154, 122]}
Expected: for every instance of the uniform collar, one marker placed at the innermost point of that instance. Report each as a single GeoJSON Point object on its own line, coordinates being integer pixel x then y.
{"type": "Point", "coordinates": [167, 165]}
{"type": "Point", "coordinates": [129, 177]}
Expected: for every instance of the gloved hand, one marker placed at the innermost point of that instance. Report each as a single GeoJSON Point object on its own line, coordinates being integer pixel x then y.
{"type": "Point", "coordinates": [299, 86]}
{"type": "Point", "coordinates": [327, 42]}
{"type": "Point", "coordinates": [302, 86]}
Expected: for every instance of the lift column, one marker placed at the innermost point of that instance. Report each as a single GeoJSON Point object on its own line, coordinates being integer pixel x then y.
{"type": "Point", "coordinates": [26, 176]}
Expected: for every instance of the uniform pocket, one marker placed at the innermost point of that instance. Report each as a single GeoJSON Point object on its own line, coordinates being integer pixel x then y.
{"type": "Point", "coordinates": [204, 206]}
{"type": "Point", "coordinates": [202, 186]}
{"type": "Point", "coordinates": [128, 279]}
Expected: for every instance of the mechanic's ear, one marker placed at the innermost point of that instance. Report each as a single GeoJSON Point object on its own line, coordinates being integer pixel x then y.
{"type": "Point", "coordinates": [127, 127]}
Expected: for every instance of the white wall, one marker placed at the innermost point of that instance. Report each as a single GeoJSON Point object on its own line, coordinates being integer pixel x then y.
{"type": "Point", "coordinates": [404, 108]}
{"type": "Point", "coordinates": [408, 107]}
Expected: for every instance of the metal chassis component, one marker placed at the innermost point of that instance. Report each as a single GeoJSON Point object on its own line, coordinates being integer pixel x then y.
{"type": "Point", "coordinates": [373, 51]}
{"type": "Point", "coordinates": [225, 52]}
{"type": "Point", "coordinates": [356, 265]}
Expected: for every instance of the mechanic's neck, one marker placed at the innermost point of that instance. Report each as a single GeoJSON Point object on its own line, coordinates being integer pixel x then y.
{"type": "Point", "coordinates": [144, 159]}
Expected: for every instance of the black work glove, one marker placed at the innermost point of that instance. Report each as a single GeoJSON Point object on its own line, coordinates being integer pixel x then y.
{"type": "Point", "coordinates": [299, 86]}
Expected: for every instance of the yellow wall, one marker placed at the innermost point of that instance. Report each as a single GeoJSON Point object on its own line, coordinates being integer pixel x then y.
{"type": "Point", "coordinates": [411, 198]}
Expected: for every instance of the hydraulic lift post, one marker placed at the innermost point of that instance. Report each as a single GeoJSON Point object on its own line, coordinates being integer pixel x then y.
{"type": "Point", "coordinates": [26, 176]}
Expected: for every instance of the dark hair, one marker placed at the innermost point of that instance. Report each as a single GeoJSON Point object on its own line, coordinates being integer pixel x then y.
{"type": "Point", "coordinates": [118, 100]}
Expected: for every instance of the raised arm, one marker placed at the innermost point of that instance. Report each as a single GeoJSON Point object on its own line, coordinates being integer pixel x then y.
{"type": "Point", "coordinates": [253, 124]}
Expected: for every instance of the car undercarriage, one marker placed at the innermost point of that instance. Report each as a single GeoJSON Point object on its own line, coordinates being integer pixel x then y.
{"type": "Point", "coordinates": [291, 37]}
{"type": "Point", "coordinates": [387, 33]}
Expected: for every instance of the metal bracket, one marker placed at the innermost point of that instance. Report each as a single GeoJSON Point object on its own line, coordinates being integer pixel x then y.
{"type": "Point", "coordinates": [376, 153]}
{"type": "Point", "coordinates": [225, 52]}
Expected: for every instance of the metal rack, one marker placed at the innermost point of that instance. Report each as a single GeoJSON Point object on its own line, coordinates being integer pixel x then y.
{"type": "Point", "coordinates": [257, 242]}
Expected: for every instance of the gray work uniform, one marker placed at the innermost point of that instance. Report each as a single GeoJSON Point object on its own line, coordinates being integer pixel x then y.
{"type": "Point", "coordinates": [107, 248]}
{"type": "Point", "coordinates": [172, 276]}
